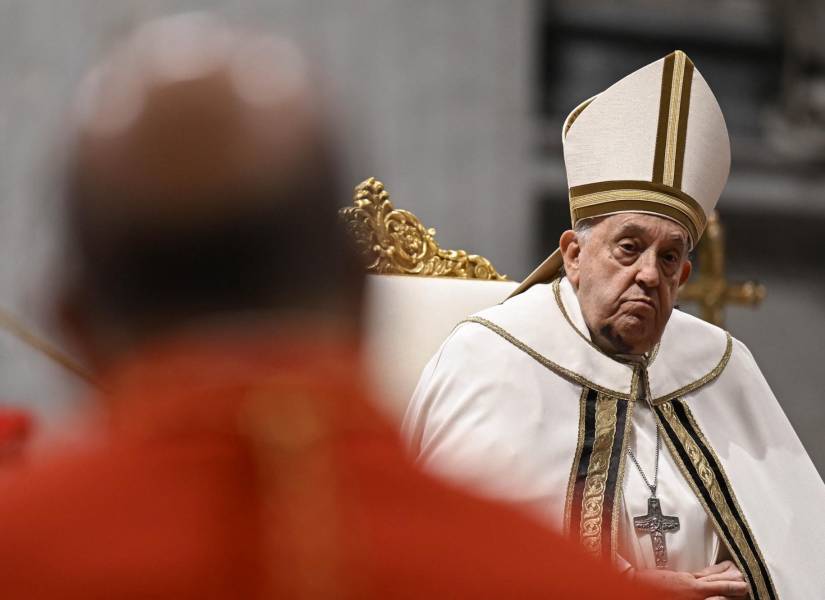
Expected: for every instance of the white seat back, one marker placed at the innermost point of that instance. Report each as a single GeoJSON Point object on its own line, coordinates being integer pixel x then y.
{"type": "Point", "coordinates": [407, 319]}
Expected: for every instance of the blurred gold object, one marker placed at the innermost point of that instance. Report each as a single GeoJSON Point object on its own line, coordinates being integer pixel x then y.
{"type": "Point", "coordinates": [711, 289]}
{"type": "Point", "coordinates": [394, 241]}
{"type": "Point", "coordinates": [14, 327]}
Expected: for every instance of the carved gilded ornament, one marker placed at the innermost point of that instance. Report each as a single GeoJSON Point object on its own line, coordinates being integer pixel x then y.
{"type": "Point", "coordinates": [394, 241]}
{"type": "Point", "coordinates": [709, 287]}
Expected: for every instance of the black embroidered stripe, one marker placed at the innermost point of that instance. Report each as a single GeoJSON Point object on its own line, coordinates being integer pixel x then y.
{"type": "Point", "coordinates": [680, 410]}
{"type": "Point", "coordinates": [688, 464]}
{"type": "Point", "coordinates": [584, 462]}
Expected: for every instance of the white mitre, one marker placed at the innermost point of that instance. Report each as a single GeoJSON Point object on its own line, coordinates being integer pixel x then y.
{"type": "Point", "coordinates": [655, 142]}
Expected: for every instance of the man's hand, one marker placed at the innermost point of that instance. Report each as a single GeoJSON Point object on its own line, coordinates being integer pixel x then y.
{"type": "Point", "coordinates": [714, 583]}
{"type": "Point", "coordinates": [724, 571]}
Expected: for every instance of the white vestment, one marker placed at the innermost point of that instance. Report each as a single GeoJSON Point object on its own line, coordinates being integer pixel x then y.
{"type": "Point", "coordinates": [519, 405]}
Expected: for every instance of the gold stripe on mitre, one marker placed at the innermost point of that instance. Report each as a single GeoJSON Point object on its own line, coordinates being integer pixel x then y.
{"type": "Point", "coordinates": [663, 194]}
{"type": "Point", "coordinates": [609, 197]}
{"type": "Point", "coordinates": [674, 109]}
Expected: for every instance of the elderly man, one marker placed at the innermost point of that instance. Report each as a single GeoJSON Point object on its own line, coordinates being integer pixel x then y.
{"type": "Point", "coordinates": [213, 292]}
{"type": "Point", "coordinates": [648, 435]}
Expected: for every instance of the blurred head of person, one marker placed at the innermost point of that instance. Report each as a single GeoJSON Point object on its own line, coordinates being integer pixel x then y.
{"type": "Point", "coordinates": [201, 186]}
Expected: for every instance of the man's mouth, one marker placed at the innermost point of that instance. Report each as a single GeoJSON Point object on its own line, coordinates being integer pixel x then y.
{"type": "Point", "coordinates": [644, 302]}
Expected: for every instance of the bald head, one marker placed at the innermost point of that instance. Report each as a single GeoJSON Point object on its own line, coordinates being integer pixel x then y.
{"type": "Point", "coordinates": [202, 180]}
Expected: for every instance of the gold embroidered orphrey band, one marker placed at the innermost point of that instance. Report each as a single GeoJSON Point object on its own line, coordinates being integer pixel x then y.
{"type": "Point", "coordinates": [703, 471]}
{"type": "Point", "coordinates": [595, 199]}
{"type": "Point", "coordinates": [592, 505]}
{"type": "Point", "coordinates": [597, 473]}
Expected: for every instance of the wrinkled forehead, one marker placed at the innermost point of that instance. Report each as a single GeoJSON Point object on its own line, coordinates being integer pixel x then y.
{"type": "Point", "coordinates": [653, 228]}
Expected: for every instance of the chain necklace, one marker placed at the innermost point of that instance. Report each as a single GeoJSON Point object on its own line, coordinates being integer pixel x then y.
{"type": "Point", "coordinates": [654, 523]}
{"type": "Point", "coordinates": [655, 467]}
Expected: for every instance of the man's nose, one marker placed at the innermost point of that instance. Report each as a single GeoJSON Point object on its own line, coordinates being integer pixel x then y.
{"type": "Point", "coordinates": [648, 273]}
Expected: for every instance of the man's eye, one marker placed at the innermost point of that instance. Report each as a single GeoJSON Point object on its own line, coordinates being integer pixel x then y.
{"type": "Point", "coordinates": [671, 258]}
{"type": "Point", "coordinates": [627, 246]}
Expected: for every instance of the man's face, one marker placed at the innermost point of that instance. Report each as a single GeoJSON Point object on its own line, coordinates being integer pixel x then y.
{"type": "Point", "coordinates": [627, 271]}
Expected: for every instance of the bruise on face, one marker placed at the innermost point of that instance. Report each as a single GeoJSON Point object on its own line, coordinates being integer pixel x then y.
{"type": "Point", "coordinates": [615, 339]}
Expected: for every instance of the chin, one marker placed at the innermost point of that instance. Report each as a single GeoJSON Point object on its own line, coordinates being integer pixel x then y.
{"type": "Point", "coordinates": [638, 339]}
{"type": "Point", "coordinates": [642, 348]}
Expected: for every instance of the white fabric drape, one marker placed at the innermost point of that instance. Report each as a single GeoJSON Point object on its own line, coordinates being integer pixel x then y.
{"type": "Point", "coordinates": [501, 416]}
{"type": "Point", "coordinates": [696, 544]}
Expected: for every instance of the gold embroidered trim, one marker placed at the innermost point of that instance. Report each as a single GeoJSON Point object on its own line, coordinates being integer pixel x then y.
{"type": "Point", "coordinates": [681, 130]}
{"type": "Point", "coordinates": [674, 453]}
{"type": "Point", "coordinates": [595, 483]}
{"type": "Point", "coordinates": [568, 123]}
{"type": "Point", "coordinates": [558, 369]}
{"type": "Point", "coordinates": [717, 370]}
{"type": "Point", "coordinates": [674, 110]}
{"type": "Point", "coordinates": [664, 111]}
{"type": "Point", "coordinates": [630, 200]}
{"type": "Point", "coordinates": [560, 303]}
{"type": "Point", "coordinates": [587, 189]}
{"type": "Point", "coordinates": [700, 434]}
{"type": "Point", "coordinates": [673, 117]}
{"type": "Point", "coordinates": [574, 468]}
{"type": "Point", "coordinates": [710, 484]}
{"type": "Point", "coordinates": [617, 500]}
{"type": "Point", "coordinates": [581, 380]}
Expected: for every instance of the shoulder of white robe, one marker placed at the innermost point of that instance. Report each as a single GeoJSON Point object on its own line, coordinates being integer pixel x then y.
{"type": "Point", "coordinates": [691, 354]}
{"type": "Point", "coordinates": [535, 323]}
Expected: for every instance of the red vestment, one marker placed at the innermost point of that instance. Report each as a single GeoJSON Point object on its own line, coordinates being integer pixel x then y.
{"type": "Point", "coordinates": [15, 430]}
{"type": "Point", "coordinates": [238, 469]}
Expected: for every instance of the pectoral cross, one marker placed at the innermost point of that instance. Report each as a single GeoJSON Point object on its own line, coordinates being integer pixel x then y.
{"type": "Point", "coordinates": [656, 525]}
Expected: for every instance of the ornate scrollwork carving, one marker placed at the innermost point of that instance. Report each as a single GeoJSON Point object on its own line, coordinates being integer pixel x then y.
{"type": "Point", "coordinates": [394, 241]}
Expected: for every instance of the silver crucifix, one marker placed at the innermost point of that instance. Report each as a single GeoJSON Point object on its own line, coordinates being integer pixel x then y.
{"type": "Point", "coordinates": [656, 525]}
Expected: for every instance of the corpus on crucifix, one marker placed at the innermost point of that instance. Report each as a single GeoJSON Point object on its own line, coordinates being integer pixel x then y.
{"type": "Point", "coordinates": [657, 525]}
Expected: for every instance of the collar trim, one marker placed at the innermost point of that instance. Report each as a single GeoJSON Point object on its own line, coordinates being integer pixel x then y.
{"type": "Point", "coordinates": [709, 377]}
{"type": "Point", "coordinates": [555, 367]}
{"type": "Point", "coordinates": [691, 353]}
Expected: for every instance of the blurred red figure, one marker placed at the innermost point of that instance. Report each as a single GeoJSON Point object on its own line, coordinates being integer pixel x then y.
{"type": "Point", "coordinates": [212, 291]}
{"type": "Point", "coordinates": [15, 431]}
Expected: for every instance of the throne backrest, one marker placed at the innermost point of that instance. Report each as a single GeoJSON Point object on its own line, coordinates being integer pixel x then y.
{"type": "Point", "coordinates": [417, 292]}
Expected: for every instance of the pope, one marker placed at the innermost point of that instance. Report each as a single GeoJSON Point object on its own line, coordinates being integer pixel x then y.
{"type": "Point", "coordinates": [648, 435]}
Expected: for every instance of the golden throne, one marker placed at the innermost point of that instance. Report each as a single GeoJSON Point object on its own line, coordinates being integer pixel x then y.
{"type": "Point", "coordinates": [409, 317]}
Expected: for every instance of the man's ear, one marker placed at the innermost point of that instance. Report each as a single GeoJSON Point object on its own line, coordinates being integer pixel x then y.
{"type": "Point", "coordinates": [687, 269]}
{"type": "Point", "coordinates": [570, 253]}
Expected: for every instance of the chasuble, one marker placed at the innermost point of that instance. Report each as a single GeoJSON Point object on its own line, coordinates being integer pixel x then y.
{"type": "Point", "coordinates": [519, 405]}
